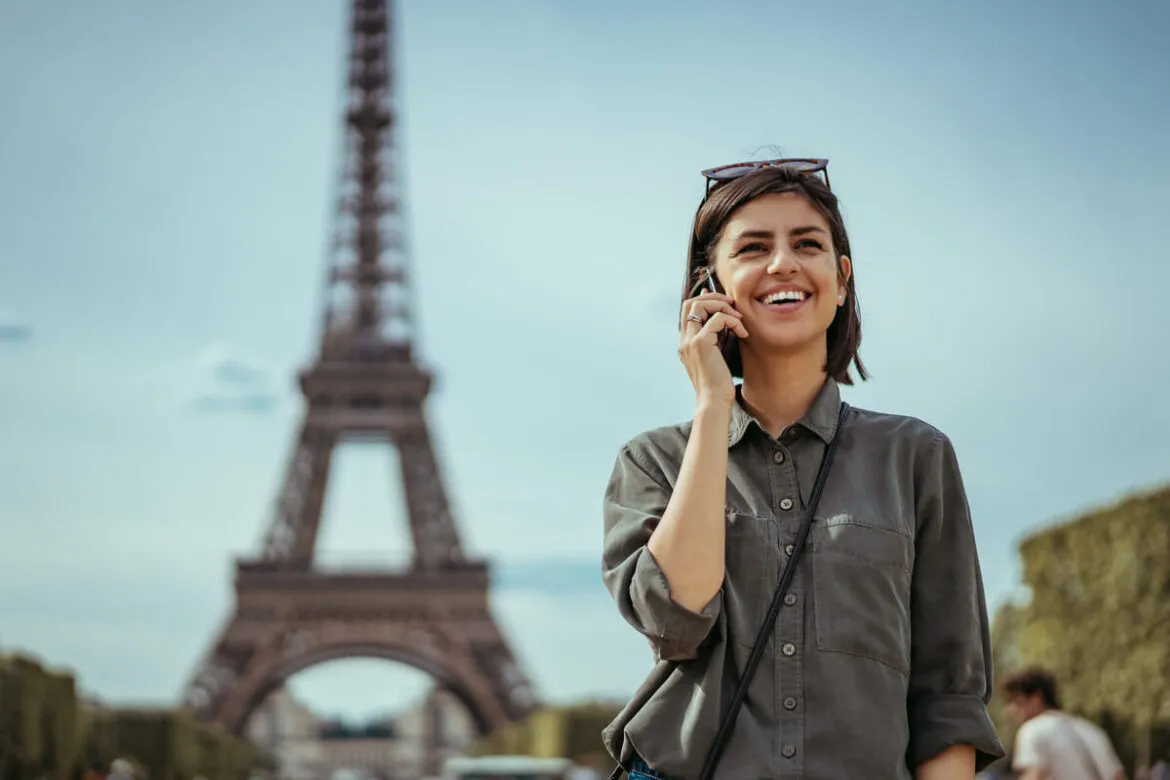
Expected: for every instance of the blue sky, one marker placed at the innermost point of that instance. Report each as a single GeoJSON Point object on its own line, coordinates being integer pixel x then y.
{"type": "Point", "coordinates": [165, 176]}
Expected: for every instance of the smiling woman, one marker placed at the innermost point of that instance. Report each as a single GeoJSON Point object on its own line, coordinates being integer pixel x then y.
{"type": "Point", "coordinates": [869, 657]}
{"type": "Point", "coordinates": [743, 223]}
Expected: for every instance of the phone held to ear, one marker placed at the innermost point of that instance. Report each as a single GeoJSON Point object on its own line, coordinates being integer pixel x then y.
{"type": "Point", "coordinates": [725, 337]}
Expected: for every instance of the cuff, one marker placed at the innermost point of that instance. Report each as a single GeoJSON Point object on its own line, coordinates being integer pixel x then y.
{"type": "Point", "coordinates": [675, 631]}
{"type": "Point", "coordinates": [938, 722]}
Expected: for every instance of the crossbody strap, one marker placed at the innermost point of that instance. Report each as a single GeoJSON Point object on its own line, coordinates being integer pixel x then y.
{"type": "Point", "coordinates": [728, 723]}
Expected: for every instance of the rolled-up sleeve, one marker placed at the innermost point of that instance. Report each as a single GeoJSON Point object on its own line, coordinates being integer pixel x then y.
{"type": "Point", "coordinates": [951, 677]}
{"type": "Point", "coordinates": [635, 500]}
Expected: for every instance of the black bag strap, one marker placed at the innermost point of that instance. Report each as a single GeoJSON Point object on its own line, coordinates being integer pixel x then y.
{"type": "Point", "coordinates": [727, 724]}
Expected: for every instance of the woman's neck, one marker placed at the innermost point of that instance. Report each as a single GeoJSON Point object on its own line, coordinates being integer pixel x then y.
{"type": "Point", "coordinates": [779, 390]}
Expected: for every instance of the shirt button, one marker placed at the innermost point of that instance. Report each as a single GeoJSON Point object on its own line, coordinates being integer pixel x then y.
{"type": "Point", "coordinates": [790, 599]}
{"type": "Point", "coordinates": [786, 504]}
{"type": "Point", "coordinates": [789, 751]}
{"type": "Point", "coordinates": [788, 649]}
{"type": "Point", "coordinates": [790, 703]}
{"type": "Point", "coordinates": [778, 457]}
{"type": "Point", "coordinates": [788, 549]}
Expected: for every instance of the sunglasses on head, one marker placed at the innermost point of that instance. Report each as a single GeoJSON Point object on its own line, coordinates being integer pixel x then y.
{"type": "Point", "coordinates": [726, 173]}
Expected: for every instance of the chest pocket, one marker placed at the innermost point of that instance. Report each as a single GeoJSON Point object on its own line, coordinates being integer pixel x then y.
{"type": "Point", "coordinates": [748, 540]}
{"type": "Point", "coordinates": [861, 589]}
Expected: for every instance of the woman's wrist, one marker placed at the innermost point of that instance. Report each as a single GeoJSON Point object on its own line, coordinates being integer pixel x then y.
{"type": "Point", "coordinates": [712, 420]}
{"type": "Point", "coordinates": [713, 406]}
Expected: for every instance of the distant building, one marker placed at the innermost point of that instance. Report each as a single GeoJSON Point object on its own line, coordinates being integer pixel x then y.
{"type": "Point", "coordinates": [409, 746]}
{"type": "Point", "coordinates": [288, 731]}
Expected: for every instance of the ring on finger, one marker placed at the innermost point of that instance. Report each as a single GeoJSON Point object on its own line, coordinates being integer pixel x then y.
{"type": "Point", "coordinates": [695, 318]}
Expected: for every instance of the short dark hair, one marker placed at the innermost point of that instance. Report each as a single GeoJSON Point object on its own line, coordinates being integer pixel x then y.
{"type": "Point", "coordinates": [1030, 681]}
{"type": "Point", "coordinates": [844, 333]}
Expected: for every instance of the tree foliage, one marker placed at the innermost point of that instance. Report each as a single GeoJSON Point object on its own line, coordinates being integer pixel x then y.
{"type": "Point", "coordinates": [1098, 619]}
{"type": "Point", "coordinates": [572, 731]}
{"type": "Point", "coordinates": [46, 733]}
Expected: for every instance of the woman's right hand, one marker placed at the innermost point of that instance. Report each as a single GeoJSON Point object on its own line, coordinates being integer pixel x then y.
{"type": "Point", "coordinates": [703, 318]}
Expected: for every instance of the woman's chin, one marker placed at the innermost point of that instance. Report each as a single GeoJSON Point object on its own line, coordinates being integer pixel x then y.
{"type": "Point", "coordinates": [782, 341]}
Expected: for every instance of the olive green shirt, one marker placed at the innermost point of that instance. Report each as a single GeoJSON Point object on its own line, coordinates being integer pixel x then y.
{"type": "Point", "coordinates": [880, 657]}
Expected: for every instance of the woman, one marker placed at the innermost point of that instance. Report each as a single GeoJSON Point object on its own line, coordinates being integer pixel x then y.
{"type": "Point", "coordinates": [878, 665]}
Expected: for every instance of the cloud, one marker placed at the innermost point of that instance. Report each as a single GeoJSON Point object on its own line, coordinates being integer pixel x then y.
{"type": "Point", "coordinates": [234, 371]}
{"type": "Point", "coordinates": [13, 328]}
{"type": "Point", "coordinates": [258, 403]}
{"type": "Point", "coordinates": [227, 382]}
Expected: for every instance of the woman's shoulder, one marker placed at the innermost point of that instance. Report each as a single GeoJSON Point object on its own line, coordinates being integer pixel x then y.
{"type": "Point", "coordinates": [665, 440]}
{"type": "Point", "coordinates": [658, 451]}
{"type": "Point", "coordinates": [894, 429]}
{"type": "Point", "coordinates": [902, 442]}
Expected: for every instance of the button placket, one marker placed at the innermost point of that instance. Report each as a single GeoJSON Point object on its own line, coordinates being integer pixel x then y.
{"type": "Point", "coordinates": [788, 634]}
{"type": "Point", "coordinates": [789, 666]}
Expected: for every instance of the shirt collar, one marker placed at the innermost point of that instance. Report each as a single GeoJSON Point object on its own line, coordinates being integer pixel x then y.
{"type": "Point", "coordinates": [821, 418]}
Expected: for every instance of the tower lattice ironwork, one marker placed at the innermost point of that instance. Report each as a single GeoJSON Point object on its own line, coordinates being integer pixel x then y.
{"type": "Point", "coordinates": [365, 383]}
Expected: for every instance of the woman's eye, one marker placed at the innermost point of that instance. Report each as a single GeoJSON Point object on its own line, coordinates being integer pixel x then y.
{"type": "Point", "coordinates": [751, 249]}
{"type": "Point", "coordinates": [809, 243]}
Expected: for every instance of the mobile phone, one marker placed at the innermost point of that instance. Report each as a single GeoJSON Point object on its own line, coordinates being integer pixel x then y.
{"type": "Point", "coordinates": [726, 337]}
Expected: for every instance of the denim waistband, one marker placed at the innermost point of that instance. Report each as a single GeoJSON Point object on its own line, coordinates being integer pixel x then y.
{"type": "Point", "coordinates": [639, 771]}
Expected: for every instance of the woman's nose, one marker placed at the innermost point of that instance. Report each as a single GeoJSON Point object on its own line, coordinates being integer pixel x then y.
{"type": "Point", "coordinates": [782, 262]}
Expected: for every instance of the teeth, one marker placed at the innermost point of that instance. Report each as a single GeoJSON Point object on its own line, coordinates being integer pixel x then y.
{"type": "Point", "coordinates": [785, 296]}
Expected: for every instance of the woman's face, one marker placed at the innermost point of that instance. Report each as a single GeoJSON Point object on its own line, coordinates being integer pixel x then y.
{"type": "Point", "coordinates": [776, 260]}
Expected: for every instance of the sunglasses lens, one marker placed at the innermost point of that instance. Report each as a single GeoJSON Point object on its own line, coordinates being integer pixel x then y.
{"type": "Point", "coordinates": [743, 169]}
{"type": "Point", "coordinates": [800, 165]}
{"type": "Point", "coordinates": [732, 171]}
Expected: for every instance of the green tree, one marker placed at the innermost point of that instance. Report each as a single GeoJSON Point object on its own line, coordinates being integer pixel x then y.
{"type": "Point", "coordinates": [1099, 615]}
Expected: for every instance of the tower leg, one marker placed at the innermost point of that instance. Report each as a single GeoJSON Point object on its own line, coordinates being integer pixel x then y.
{"type": "Point", "coordinates": [436, 541]}
{"type": "Point", "coordinates": [292, 535]}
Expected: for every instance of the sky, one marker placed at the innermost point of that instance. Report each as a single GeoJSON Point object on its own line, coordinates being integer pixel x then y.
{"type": "Point", "coordinates": [165, 181]}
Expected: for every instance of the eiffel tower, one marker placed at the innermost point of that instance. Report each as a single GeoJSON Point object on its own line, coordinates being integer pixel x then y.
{"type": "Point", "coordinates": [365, 384]}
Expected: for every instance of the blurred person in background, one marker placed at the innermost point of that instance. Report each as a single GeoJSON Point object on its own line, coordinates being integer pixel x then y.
{"type": "Point", "coordinates": [121, 769]}
{"type": "Point", "coordinates": [1050, 744]}
{"type": "Point", "coordinates": [879, 663]}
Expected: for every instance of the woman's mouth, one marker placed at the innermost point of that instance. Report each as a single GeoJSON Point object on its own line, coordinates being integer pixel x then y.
{"type": "Point", "coordinates": [784, 301]}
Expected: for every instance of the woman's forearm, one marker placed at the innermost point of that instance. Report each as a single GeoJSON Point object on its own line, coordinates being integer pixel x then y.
{"type": "Point", "coordinates": [955, 763]}
{"type": "Point", "coordinates": [688, 543]}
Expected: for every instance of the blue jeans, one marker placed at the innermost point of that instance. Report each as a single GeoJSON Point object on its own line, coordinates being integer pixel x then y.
{"type": "Point", "coordinates": [639, 771]}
